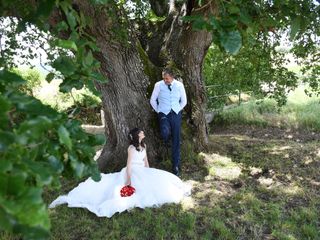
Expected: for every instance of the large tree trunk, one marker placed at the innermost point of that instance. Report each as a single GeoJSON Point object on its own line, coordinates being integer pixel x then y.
{"type": "Point", "coordinates": [185, 50]}
{"type": "Point", "coordinates": [188, 49]}
{"type": "Point", "coordinates": [125, 104]}
{"type": "Point", "coordinates": [125, 98]}
{"type": "Point", "coordinates": [126, 95]}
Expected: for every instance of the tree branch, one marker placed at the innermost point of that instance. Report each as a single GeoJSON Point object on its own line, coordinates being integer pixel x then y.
{"type": "Point", "coordinates": [159, 7]}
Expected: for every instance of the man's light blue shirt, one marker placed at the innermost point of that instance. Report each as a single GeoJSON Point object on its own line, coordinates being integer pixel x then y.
{"type": "Point", "coordinates": [163, 100]}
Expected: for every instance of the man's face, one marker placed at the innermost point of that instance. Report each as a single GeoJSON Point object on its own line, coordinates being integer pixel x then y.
{"type": "Point", "coordinates": [167, 78]}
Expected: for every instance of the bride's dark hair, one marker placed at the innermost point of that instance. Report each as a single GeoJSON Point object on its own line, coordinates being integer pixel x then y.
{"type": "Point", "coordinates": [134, 138]}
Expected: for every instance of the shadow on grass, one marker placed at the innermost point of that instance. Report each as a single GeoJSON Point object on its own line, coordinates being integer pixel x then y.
{"type": "Point", "coordinates": [244, 188]}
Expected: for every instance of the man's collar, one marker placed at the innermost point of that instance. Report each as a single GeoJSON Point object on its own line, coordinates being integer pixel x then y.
{"type": "Point", "coordinates": [173, 81]}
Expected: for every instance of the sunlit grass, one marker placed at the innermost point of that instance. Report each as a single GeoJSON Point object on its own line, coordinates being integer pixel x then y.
{"type": "Point", "coordinates": [301, 112]}
{"type": "Point", "coordinates": [222, 166]}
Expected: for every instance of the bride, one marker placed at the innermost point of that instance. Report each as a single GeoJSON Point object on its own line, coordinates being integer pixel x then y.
{"type": "Point", "coordinates": [153, 187]}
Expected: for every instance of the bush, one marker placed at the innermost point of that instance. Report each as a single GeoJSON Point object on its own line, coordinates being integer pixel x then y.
{"type": "Point", "coordinates": [33, 80]}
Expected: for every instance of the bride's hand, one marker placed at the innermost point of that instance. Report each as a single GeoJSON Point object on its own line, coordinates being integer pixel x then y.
{"type": "Point", "coordinates": [128, 182]}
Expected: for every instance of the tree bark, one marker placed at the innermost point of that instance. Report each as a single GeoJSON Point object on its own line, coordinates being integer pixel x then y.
{"type": "Point", "coordinates": [185, 50]}
{"type": "Point", "coordinates": [126, 95]}
{"type": "Point", "coordinates": [125, 104]}
{"type": "Point", "coordinates": [188, 50]}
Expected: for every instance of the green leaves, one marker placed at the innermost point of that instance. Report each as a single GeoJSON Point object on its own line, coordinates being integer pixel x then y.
{"type": "Point", "coordinates": [36, 148]}
{"type": "Point", "coordinates": [6, 138]}
{"type": "Point", "coordinates": [256, 70]}
{"type": "Point", "coordinates": [295, 27]}
{"type": "Point", "coordinates": [88, 59]}
{"type": "Point", "coordinates": [5, 165]}
{"type": "Point", "coordinates": [70, 14]}
{"type": "Point", "coordinates": [5, 106]}
{"type": "Point", "coordinates": [66, 65]}
{"type": "Point", "coordinates": [223, 30]}
{"type": "Point", "coordinates": [55, 164]}
{"type": "Point", "coordinates": [8, 79]}
{"type": "Point", "coordinates": [50, 77]}
{"type": "Point", "coordinates": [99, 1]}
{"type": "Point", "coordinates": [44, 8]}
{"type": "Point", "coordinates": [79, 68]}
{"type": "Point", "coordinates": [67, 44]}
{"type": "Point", "coordinates": [64, 137]}
{"type": "Point", "coordinates": [231, 41]}
{"type": "Point", "coordinates": [233, 9]}
{"type": "Point", "coordinates": [198, 22]}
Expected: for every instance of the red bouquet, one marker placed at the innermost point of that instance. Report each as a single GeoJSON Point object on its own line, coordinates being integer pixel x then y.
{"type": "Point", "coordinates": [127, 191]}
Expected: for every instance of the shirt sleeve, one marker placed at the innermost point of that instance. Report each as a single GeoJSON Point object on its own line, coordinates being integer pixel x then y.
{"type": "Point", "coordinates": [183, 99]}
{"type": "Point", "coordinates": [154, 97]}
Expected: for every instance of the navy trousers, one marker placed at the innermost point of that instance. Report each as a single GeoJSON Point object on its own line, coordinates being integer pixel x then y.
{"type": "Point", "coordinates": [170, 125]}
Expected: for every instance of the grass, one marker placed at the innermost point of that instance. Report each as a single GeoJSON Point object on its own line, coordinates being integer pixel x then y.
{"type": "Point", "coordinates": [251, 189]}
{"type": "Point", "coordinates": [170, 221]}
{"type": "Point", "coordinates": [300, 112]}
{"type": "Point", "coordinates": [247, 185]}
{"type": "Point", "coordinates": [244, 187]}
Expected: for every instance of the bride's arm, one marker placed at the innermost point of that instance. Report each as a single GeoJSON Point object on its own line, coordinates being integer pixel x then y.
{"type": "Point", "coordinates": [146, 163]}
{"type": "Point", "coordinates": [128, 182]}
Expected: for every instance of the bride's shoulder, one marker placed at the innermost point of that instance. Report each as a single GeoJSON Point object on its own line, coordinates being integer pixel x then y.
{"type": "Point", "coordinates": [131, 147]}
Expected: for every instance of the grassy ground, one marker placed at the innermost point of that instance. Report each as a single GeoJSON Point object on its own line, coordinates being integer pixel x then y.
{"type": "Point", "coordinates": [248, 185]}
{"type": "Point", "coordinates": [253, 183]}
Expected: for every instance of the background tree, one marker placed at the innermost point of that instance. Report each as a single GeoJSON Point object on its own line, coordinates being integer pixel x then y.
{"type": "Point", "coordinates": [258, 70]}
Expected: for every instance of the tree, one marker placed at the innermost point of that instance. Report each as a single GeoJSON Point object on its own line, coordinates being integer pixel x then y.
{"type": "Point", "coordinates": [129, 42]}
{"type": "Point", "coordinates": [136, 39]}
{"type": "Point", "coordinates": [259, 69]}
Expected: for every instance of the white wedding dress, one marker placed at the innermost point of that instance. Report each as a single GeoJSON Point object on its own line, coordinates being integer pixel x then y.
{"type": "Point", "coordinates": [154, 187]}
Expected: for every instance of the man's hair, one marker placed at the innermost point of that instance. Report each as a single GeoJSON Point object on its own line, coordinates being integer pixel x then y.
{"type": "Point", "coordinates": [168, 71]}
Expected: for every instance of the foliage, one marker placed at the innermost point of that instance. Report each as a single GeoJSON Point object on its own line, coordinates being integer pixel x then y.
{"type": "Point", "coordinates": [85, 107]}
{"type": "Point", "coordinates": [253, 30]}
{"type": "Point", "coordinates": [38, 145]}
{"type": "Point", "coordinates": [34, 152]}
{"type": "Point", "coordinates": [79, 104]}
{"type": "Point", "coordinates": [72, 58]}
{"type": "Point", "coordinates": [33, 80]}
{"type": "Point", "coordinates": [258, 69]}
{"type": "Point", "coordinates": [234, 22]}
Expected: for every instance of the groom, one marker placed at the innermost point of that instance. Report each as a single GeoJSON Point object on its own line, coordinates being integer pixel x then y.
{"type": "Point", "coordinates": [168, 99]}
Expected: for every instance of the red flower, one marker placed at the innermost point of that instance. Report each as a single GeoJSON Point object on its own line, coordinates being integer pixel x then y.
{"type": "Point", "coordinates": [127, 191]}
